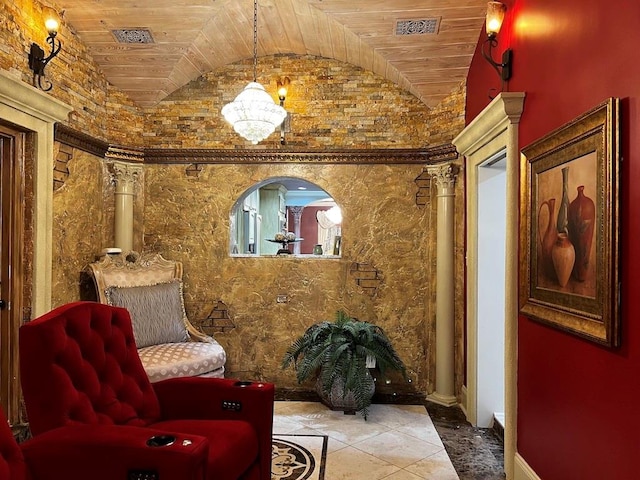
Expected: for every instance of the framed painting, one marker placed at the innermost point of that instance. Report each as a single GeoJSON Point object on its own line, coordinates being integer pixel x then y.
{"type": "Point", "coordinates": [569, 255]}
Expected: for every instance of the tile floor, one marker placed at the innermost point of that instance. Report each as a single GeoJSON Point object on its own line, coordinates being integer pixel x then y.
{"type": "Point", "coordinates": [476, 453]}
{"type": "Point", "coordinates": [397, 442]}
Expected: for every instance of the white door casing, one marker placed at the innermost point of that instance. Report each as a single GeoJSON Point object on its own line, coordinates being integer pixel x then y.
{"type": "Point", "coordinates": [494, 129]}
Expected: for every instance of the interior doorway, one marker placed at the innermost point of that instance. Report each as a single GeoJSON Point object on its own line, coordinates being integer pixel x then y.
{"type": "Point", "coordinates": [492, 184]}
{"type": "Point", "coordinates": [493, 130]}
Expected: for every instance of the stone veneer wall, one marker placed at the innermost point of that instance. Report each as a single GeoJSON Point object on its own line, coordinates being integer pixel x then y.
{"type": "Point", "coordinates": [334, 105]}
{"type": "Point", "coordinates": [99, 109]}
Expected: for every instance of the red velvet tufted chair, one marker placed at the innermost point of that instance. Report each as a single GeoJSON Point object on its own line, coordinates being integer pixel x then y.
{"type": "Point", "coordinates": [12, 466]}
{"type": "Point", "coordinates": [84, 386]}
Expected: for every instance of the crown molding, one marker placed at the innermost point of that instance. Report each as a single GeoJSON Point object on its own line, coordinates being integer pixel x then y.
{"type": "Point", "coordinates": [262, 156]}
{"type": "Point", "coordinates": [200, 156]}
{"type": "Point", "coordinates": [79, 140]}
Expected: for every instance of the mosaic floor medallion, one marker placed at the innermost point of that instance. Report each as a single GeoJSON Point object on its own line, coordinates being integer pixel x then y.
{"type": "Point", "coordinates": [298, 457]}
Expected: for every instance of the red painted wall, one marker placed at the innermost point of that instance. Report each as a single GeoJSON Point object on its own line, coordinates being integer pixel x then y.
{"type": "Point", "coordinates": [578, 413]}
{"type": "Point", "coordinates": [308, 228]}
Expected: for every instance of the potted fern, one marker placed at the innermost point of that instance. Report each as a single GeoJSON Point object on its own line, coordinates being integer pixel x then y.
{"type": "Point", "coordinates": [340, 353]}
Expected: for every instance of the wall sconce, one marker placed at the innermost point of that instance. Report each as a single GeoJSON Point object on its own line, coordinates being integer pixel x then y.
{"type": "Point", "coordinates": [283, 88]}
{"type": "Point", "coordinates": [495, 16]}
{"type": "Point", "coordinates": [37, 60]}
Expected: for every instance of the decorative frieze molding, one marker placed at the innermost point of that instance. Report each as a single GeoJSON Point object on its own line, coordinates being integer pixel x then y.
{"type": "Point", "coordinates": [79, 140]}
{"type": "Point", "coordinates": [261, 156]}
{"type": "Point", "coordinates": [126, 154]}
{"type": "Point", "coordinates": [199, 156]}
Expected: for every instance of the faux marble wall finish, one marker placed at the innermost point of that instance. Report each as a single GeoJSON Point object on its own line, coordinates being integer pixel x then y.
{"type": "Point", "coordinates": [187, 218]}
{"type": "Point", "coordinates": [83, 223]}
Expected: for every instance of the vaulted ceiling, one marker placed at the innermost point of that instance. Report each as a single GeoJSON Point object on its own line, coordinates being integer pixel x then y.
{"type": "Point", "coordinates": [192, 37]}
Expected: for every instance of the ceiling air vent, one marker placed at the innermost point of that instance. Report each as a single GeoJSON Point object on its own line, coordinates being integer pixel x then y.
{"type": "Point", "coordinates": [133, 35]}
{"type": "Point", "coordinates": [417, 27]}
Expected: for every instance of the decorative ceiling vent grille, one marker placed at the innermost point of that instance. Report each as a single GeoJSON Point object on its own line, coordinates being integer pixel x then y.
{"type": "Point", "coordinates": [417, 27]}
{"type": "Point", "coordinates": [138, 35]}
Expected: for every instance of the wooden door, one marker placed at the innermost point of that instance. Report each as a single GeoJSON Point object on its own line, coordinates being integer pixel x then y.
{"type": "Point", "coordinates": [11, 234]}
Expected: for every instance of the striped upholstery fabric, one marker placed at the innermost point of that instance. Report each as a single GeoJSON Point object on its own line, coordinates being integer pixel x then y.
{"type": "Point", "coordinates": [157, 311]}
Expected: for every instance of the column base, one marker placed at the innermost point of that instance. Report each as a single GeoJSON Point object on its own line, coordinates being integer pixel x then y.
{"type": "Point", "coordinates": [444, 400]}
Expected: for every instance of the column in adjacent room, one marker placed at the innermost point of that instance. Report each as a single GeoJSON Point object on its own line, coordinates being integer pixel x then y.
{"type": "Point", "coordinates": [125, 177]}
{"type": "Point", "coordinates": [444, 177]}
{"type": "Point", "coordinates": [296, 213]}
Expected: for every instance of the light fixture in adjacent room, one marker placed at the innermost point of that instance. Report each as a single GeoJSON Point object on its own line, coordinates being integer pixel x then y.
{"type": "Point", "coordinates": [283, 88]}
{"type": "Point", "coordinates": [495, 17]}
{"type": "Point", "coordinates": [253, 114]}
{"type": "Point", "coordinates": [37, 60]}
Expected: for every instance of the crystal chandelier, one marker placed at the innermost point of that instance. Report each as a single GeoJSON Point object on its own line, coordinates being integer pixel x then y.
{"type": "Point", "coordinates": [253, 114]}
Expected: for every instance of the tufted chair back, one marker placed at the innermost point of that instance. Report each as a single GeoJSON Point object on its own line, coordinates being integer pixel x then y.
{"type": "Point", "coordinates": [12, 466]}
{"type": "Point", "coordinates": [86, 353]}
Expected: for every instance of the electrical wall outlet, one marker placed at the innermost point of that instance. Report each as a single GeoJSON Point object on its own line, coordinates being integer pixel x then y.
{"type": "Point", "coordinates": [282, 299]}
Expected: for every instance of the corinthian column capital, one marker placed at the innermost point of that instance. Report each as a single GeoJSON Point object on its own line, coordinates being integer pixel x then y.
{"type": "Point", "coordinates": [296, 212]}
{"type": "Point", "coordinates": [125, 176]}
{"type": "Point", "coordinates": [444, 175]}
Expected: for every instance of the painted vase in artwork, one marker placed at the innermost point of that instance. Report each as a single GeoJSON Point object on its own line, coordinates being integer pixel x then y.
{"type": "Point", "coordinates": [581, 220]}
{"type": "Point", "coordinates": [548, 239]}
{"type": "Point", "coordinates": [563, 255]}
{"type": "Point", "coordinates": [563, 211]}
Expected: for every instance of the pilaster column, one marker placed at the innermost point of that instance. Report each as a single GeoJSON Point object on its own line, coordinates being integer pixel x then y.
{"type": "Point", "coordinates": [297, 215]}
{"type": "Point", "coordinates": [444, 177]}
{"type": "Point", "coordinates": [125, 177]}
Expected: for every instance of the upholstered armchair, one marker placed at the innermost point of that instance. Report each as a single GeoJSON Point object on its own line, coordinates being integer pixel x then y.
{"type": "Point", "coordinates": [85, 388]}
{"type": "Point", "coordinates": [150, 288]}
{"type": "Point", "coordinates": [12, 466]}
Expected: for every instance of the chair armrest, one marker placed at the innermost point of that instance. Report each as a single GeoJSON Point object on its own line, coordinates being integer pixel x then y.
{"type": "Point", "coordinates": [108, 452]}
{"type": "Point", "coordinates": [214, 399]}
{"type": "Point", "coordinates": [223, 399]}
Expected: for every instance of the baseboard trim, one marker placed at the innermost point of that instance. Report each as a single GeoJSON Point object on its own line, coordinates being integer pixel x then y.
{"type": "Point", "coordinates": [444, 400]}
{"type": "Point", "coordinates": [463, 400]}
{"type": "Point", "coordinates": [522, 470]}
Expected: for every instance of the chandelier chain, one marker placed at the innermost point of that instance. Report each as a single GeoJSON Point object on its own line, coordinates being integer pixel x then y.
{"type": "Point", "coordinates": [255, 40]}
{"type": "Point", "coordinates": [253, 113]}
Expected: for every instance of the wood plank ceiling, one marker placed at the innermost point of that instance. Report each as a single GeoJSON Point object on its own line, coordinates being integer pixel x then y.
{"type": "Point", "coordinates": [192, 37]}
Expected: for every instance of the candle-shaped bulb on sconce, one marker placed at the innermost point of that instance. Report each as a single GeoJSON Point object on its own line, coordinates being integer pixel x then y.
{"type": "Point", "coordinates": [283, 87]}
{"type": "Point", "coordinates": [52, 26]}
{"type": "Point", "coordinates": [495, 17]}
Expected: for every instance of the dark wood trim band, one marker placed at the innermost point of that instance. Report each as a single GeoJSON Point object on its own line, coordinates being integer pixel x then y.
{"type": "Point", "coordinates": [79, 140]}
{"type": "Point", "coordinates": [431, 155]}
{"type": "Point", "coordinates": [398, 156]}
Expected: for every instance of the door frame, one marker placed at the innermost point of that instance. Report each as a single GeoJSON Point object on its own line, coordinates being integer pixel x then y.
{"type": "Point", "coordinates": [36, 112]}
{"type": "Point", "coordinates": [494, 129]}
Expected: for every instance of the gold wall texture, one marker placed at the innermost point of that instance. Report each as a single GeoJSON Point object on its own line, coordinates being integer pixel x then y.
{"type": "Point", "coordinates": [186, 218]}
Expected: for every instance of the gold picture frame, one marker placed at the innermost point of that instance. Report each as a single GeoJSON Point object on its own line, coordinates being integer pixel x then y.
{"type": "Point", "coordinates": [569, 260]}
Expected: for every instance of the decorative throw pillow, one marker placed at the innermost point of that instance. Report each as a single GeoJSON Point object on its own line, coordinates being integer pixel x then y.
{"type": "Point", "coordinates": [157, 311]}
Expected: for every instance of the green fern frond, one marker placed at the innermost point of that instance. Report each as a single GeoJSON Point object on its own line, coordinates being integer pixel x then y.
{"type": "Point", "coordinates": [337, 351]}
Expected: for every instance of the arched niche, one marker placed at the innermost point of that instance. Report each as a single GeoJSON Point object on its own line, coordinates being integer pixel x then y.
{"type": "Point", "coordinates": [277, 208]}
